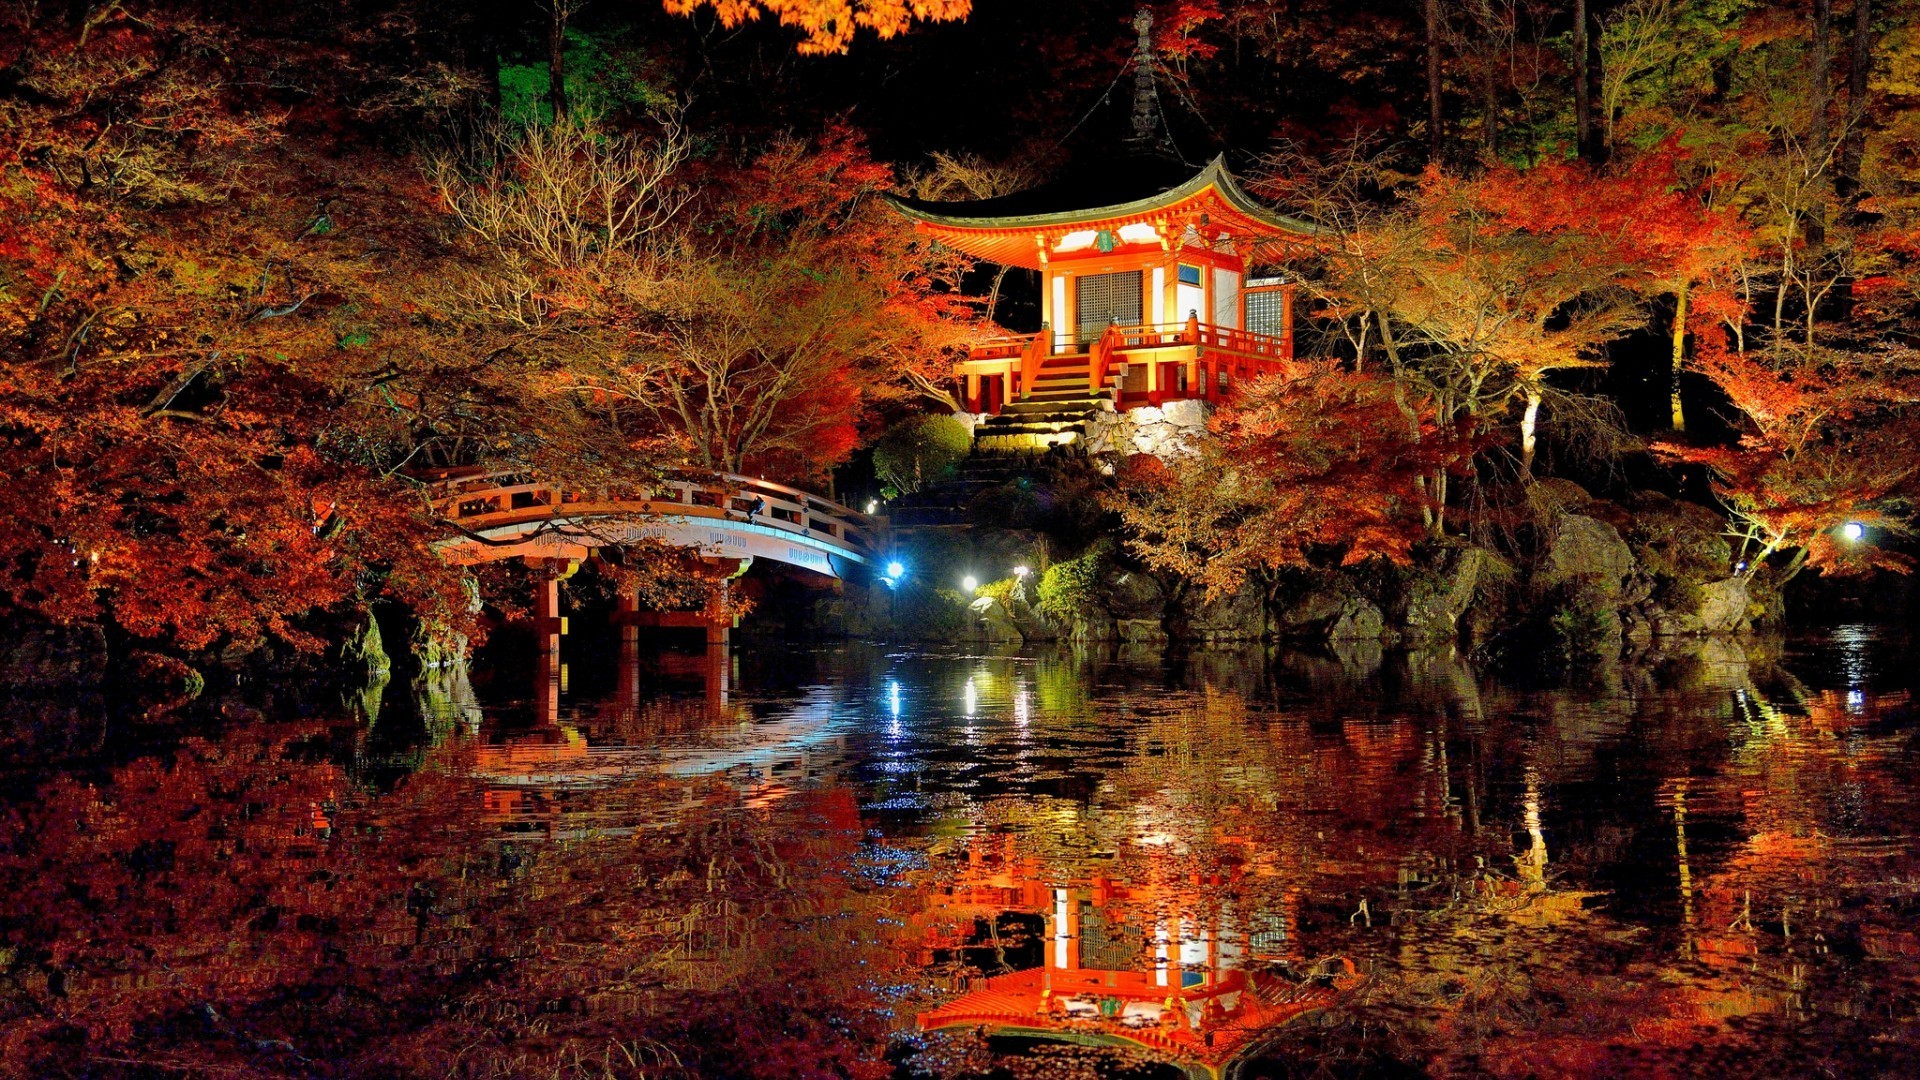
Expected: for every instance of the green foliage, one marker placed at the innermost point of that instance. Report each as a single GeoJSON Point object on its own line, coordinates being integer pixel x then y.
{"type": "Point", "coordinates": [1583, 620]}
{"type": "Point", "coordinates": [1016, 504]}
{"type": "Point", "coordinates": [1073, 586]}
{"type": "Point", "coordinates": [603, 77]}
{"type": "Point", "coordinates": [930, 612]}
{"type": "Point", "coordinates": [921, 450]}
{"type": "Point", "coordinates": [1001, 590]}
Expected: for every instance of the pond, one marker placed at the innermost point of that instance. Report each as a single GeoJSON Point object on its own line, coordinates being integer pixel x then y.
{"type": "Point", "coordinates": [868, 862]}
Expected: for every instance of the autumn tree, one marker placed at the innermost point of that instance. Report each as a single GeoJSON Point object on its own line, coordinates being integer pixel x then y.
{"type": "Point", "coordinates": [1316, 464]}
{"type": "Point", "coordinates": [193, 307]}
{"type": "Point", "coordinates": [829, 25]}
{"type": "Point", "coordinates": [1829, 440]}
{"type": "Point", "coordinates": [756, 334]}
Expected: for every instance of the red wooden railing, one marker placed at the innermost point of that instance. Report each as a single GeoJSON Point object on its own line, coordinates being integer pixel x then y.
{"type": "Point", "coordinates": [1213, 359]}
{"type": "Point", "coordinates": [481, 499]}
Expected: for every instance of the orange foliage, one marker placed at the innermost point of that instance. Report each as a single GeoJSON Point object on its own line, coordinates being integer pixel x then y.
{"type": "Point", "coordinates": [829, 25]}
{"type": "Point", "coordinates": [189, 357]}
{"type": "Point", "coordinates": [1319, 465]}
{"type": "Point", "coordinates": [1831, 438]}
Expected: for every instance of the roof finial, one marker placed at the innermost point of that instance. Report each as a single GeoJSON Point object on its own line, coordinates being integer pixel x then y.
{"type": "Point", "coordinates": [1143, 97]}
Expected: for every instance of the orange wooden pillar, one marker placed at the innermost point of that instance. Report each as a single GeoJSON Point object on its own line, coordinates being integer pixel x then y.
{"type": "Point", "coordinates": [628, 607]}
{"type": "Point", "coordinates": [1286, 321]}
{"type": "Point", "coordinates": [548, 675]}
{"type": "Point", "coordinates": [719, 675]}
{"type": "Point", "coordinates": [719, 619]}
{"type": "Point", "coordinates": [628, 618]}
{"type": "Point", "coordinates": [547, 622]}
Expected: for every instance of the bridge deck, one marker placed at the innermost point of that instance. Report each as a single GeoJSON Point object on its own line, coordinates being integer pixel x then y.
{"type": "Point", "coordinates": [505, 515]}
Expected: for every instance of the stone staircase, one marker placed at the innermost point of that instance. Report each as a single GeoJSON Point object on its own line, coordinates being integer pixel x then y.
{"type": "Point", "coordinates": [1037, 425]}
{"type": "Point", "coordinates": [1053, 418]}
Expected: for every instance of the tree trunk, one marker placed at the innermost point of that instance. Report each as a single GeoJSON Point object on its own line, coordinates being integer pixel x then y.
{"type": "Point", "coordinates": [1582, 81]}
{"type": "Point", "coordinates": [1529, 423]}
{"type": "Point", "coordinates": [1433, 80]}
{"type": "Point", "coordinates": [557, 61]}
{"type": "Point", "coordinates": [1819, 76]}
{"type": "Point", "coordinates": [1490, 105]}
{"type": "Point", "coordinates": [1859, 68]}
{"type": "Point", "coordinates": [1679, 356]}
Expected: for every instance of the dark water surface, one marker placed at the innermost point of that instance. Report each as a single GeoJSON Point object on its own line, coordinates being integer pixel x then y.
{"type": "Point", "coordinates": [859, 862]}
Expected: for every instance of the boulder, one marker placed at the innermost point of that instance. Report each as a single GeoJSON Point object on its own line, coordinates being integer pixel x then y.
{"type": "Point", "coordinates": [1240, 615]}
{"type": "Point", "coordinates": [1580, 548]}
{"type": "Point", "coordinates": [992, 622]}
{"type": "Point", "coordinates": [1092, 626]}
{"type": "Point", "coordinates": [1023, 606]}
{"type": "Point", "coordinates": [1331, 614]}
{"type": "Point", "coordinates": [1439, 595]}
{"type": "Point", "coordinates": [38, 655]}
{"type": "Point", "coordinates": [1129, 594]}
{"type": "Point", "coordinates": [1306, 614]}
{"type": "Point", "coordinates": [1724, 607]}
{"type": "Point", "coordinates": [365, 649]}
{"type": "Point", "coordinates": [1359, 620]}
{"type": "Point", "coordinates": [1139, 631]}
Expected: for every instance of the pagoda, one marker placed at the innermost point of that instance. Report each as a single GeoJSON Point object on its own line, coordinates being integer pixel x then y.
{"type": "Point", "coordinates": [1158, 964]}
{"type": "Point", "coordinates": [1144, 289]}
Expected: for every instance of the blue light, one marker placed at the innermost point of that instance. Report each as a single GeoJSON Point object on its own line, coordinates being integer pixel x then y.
{"type": "Point", "coordinates": [895, 570]}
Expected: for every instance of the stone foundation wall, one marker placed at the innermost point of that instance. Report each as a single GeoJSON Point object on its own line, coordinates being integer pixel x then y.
{"type": "Point", "coordinates": [1166, 432]}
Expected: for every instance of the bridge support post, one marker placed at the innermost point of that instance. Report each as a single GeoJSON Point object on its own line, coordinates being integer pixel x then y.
{"type": "Point", "coordinates": [547, 624]}
{"type": "Point", "coordinates": [719, 621]}
{"type": "Point", "coordinates": [549, 675]}
{"type": "Point", "coordinates": [629, 606]}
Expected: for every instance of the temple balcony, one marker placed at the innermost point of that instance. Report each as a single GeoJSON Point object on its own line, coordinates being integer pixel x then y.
{"type": "Point", "coordinates": [1132, 366]}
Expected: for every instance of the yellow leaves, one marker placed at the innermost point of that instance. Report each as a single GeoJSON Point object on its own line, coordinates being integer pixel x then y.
{"type": "Point", "coordinates": [829, 24]}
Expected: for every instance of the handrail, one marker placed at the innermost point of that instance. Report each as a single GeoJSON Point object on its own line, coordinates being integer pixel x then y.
{"type": "Point", "coordinates": [1101, 356]}
{"type": "Point", "coordinates": [1150, 336]}
{"type": "Point", "coordinates": [1030, 360]}
{"type": "Point", "coordinates": [1000, 348]}
{"type": "Point", "coordinates": [480, 500]}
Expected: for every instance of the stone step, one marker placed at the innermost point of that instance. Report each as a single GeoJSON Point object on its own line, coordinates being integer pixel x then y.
{"type": "Point", "coordinates": [1030, 426]}
{"type": "Point", "coordinates": [1057, 393]}
{"type": "Point", "coordinates": [1083, 404]}
{"type": "Point", "coordinates": [1028, 443]}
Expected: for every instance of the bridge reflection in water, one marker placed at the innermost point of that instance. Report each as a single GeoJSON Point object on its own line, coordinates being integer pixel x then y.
{"type": "Point", "coordinates": [724, 521]}
{"type": "Point", "coordinates": [1062, 855]}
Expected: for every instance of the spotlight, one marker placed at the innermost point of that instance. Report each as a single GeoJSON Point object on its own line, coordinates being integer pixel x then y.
{"type": "Point", "coordinates": [1853, 531]}
{"type": "Point", "coordinates": [969, 583]}
{"type": "Point", "coordinates": [895, 570]}
{"type": "Point", "coordinates": [1021, 572]}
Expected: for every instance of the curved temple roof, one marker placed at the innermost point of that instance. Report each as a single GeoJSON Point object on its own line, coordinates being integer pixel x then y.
{"type": "Point", "coordinates": [1007, 229]}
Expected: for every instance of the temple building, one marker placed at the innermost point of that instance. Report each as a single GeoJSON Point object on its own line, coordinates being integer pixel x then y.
{"type": "Point", "coordinates": [1146, 295]}
{"type": "Point", "coordinates": [1144, 291]}
{"type": "Point", "coordinates": [1167, 964]}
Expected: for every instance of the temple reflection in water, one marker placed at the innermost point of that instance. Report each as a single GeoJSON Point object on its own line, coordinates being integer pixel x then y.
{"type": "Point", "coordinates": [846, 862]}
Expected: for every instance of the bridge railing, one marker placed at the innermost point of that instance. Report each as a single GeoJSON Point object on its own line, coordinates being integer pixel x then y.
{"type": "Point", "coordinates": [482, 500]}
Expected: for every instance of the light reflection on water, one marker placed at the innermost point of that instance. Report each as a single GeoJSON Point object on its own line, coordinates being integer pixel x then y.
{"type": "Point", "coordinates": [865, 862]}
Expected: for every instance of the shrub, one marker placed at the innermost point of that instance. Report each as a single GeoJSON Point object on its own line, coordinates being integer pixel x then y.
{"type": "Point", "coordinates": [1071, 587]}
{"type": "Point", "coordinates": [1001, 590]}
{"type": "Point", "coordinates": [920, 450]}
{"type": "Point", "coordinates": [1012, 505]}
{"type": "Point", "coordinates": [930, 613]}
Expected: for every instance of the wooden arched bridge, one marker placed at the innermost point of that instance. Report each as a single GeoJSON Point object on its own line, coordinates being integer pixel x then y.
{"type": "Point", "coordinates": [509, 515]}
{"type": "Point", "coordinates": [726, 521]}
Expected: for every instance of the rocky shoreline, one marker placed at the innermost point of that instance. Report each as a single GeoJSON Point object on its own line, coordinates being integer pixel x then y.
{"type": "Point", "coordinates": [1580, 577]}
